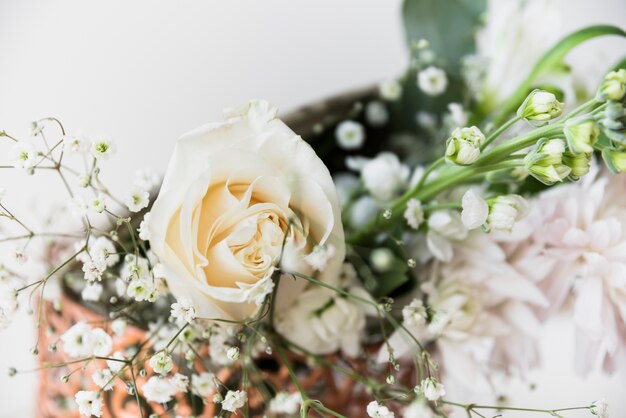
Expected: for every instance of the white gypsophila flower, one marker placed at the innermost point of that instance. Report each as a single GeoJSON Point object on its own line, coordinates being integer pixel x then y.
{"type": "Point", "coordinates": [147, 179]}
{"type": "Point", "coordinates": [458, 115]}
{"type": "Point", "coordinates": [102, 342]}
{"type": "Point", "coordinates": [103, 250]}
{"type": "Point", "coordinates": [142, 289]}
{"type": "Point", "coordinates": [116, 362]}
{"type": "Point", "coordinates": [414, 314]}
{"type": "Point", "coordinates": [23, 155]}
{"type": "Point", "coordinates": [203, 384]}
{"type": "Point", "coordinates": [390, 90]}
{"type": "Point", "coordinates": [93, 270]}
{"type": "Point", "coordinates": [431, 389]}
{"type": "Point", "coordinates": [376, 410]}
{"type": "Point", "coordinates": [350, 135]}
{"type": "Point", "coordinates": [97, 204]}
{"type": "Point", "coordinates": [181, 382]}
{"type": "Point", "coordinates": [285, 403]}
{"type": "Point", "coordinates": [319, 257]}
{"type": "Point", "coordinates": [504, 211]}
{"type": "Point", "coordinates": [137, 199]}
{"type": "Point", "coordinates": [77, 340]}
{"type": "Point", "coordinates": [102, 148]}
{"type": "Point", "coordinates": [83, 181]}
{"type": "Point", "coordinates": [103, 379]}
{"type": "Point", "coordinates": [475, 209]}
{"type": "Point", "coordinates": [118, 326]}
{"type": "Point", "coordinates": [183, 310]}
{"type": "Point", "coordinates": [144, 227]}
{"type": "Point", "coordinates": [75, 144]}
{"type": "Point", "coordinates": [234, 400]}
{"type": "Point", "coordinates": [159, 390]}
{"type": "Point", "coordinates": [384, 176]}
{"type": "Point", "coordinates": [135, 268]}
{"type": "Point", "coordinates": [414, 214]}
{"type": "Point", "coordinates": [432, 81]}
{"type": "Point", "coordinates": [161, 363]}
{"type": "Point", "coordinates": [89, 403]}
{"type": "Point", "coordinates": [376, 114]}
{"type": "Point", "coordinates": [92, 292]}
{"type": "Point", "coordinates": [463, 146]}
{"type": "Point", "coordinates": [600, 409]}
{"type": "Point", "coordinates": [232, 353]}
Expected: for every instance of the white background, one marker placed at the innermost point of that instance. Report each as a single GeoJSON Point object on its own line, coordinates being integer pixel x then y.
{"type": "Point", "coordinates": [143, 72]}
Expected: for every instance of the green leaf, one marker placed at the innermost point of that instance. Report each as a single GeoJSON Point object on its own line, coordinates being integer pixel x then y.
{"type": "Point", "coordinates": [552, 61]}
{"type": "Point", "coordinates": [448, 26]}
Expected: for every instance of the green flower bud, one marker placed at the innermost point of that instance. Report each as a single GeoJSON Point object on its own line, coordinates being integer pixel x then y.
{"type": "Point", "coordinates": [614, 160]}
{"type": "Point", "coordinates": [463, 146]}
{"type": "Point", "coordinates": [579, 163]}
{"type": "Point", "coordinates": [613, 86]}
{"type": "Point", "coordinates": [545, 162]}
{"type": "Point", "coordinates": [540, 106]}
{"type": "Point", "coordinates": [581, 135]}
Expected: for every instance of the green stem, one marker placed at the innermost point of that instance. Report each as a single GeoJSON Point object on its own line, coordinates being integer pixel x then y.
{"type": "Point", "coordinates": [472, 407]}
{"type": "Point", "coordinates": [494, 135]}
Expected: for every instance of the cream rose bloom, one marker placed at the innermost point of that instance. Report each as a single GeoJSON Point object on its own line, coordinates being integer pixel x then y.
{"type": "Point", "coordinates": [231, 193]}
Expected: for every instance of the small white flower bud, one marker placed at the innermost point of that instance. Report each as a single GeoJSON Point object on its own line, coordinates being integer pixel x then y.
{"type": "Point", "coordinates": [540, 106]}
{"type": "Point", "coordinates": [613, 86]}
{"type": "Point", "coordinates": [161, 363]}
{"type": "Point", "coordinates": [431, 389]}
{"type": "Point", "coordinates": [545, 162]}
{"type": "Point", "coordinates": [614, 160]}
{"type": "Point", "coordinates": [232, 353]}
{"type": "Point", "coordinates": [581, 136]}
{"type": "Point", "coordinates": [382, 260]}
{"type": "Point", "coordinates": [463, 146]}
{"type": "Point", "coordinates": [504, 211]}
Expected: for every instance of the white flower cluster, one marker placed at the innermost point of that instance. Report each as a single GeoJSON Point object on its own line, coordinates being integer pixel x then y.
{"type": "Point", "coordinates": [81, 340]}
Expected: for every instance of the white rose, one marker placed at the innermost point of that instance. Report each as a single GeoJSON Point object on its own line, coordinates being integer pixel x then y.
{"type": "Point", "coordinates": [229, 196]}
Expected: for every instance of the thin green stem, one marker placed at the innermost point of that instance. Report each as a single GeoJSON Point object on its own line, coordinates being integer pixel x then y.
{"type": "Point", "coordinates": [495, 134]}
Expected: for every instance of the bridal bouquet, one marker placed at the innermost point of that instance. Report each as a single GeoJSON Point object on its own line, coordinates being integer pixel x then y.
{"type": "Point", "coordinates": [402, 253]}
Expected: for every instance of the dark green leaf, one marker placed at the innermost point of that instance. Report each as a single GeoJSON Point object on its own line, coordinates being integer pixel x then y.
{"type": "Point", "coordinates": [553, 60]}
{"type": "Point", "coordinates": [448, 25]}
